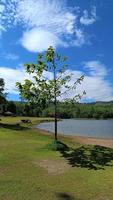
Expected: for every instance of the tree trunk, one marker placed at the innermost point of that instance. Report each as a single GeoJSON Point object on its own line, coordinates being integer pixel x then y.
{"type": "Point", "coordinates": [55, 120]}
{"type": "Point", "coordinates": [55, 100]}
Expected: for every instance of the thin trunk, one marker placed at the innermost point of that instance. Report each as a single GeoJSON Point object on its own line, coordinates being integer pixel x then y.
{"type": "Point", "coordinates": [55, 100]}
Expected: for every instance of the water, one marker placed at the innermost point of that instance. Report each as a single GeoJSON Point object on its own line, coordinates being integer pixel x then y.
{"type": "Point", "coordinates": [90, 128]}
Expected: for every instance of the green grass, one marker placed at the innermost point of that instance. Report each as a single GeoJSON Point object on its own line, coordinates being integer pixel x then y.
{"type": "Point", "coordinates": [90, 176]}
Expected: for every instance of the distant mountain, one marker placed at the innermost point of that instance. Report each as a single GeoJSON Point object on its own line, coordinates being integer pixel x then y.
{"type": "Point", "coordinates": [99, 103]}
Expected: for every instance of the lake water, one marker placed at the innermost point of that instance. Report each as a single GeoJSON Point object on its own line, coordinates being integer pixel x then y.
{"type": "Point", "coordinates": [91, 128]}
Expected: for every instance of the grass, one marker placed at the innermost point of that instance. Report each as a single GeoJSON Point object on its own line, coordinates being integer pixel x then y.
{"type": "Point", "coordinates": [89, 177]}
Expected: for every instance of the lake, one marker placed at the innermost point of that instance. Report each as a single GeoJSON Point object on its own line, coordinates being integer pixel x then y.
{"type": "Point", "coordinates": [81, 127]}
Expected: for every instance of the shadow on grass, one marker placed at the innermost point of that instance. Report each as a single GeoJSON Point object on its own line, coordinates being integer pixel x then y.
{"type": "Point", "coordinates": [13, 126]}
{"type": "Point", "coordinates": [91, 157]}
{"type": "Point", "coordinates": [65, 196]}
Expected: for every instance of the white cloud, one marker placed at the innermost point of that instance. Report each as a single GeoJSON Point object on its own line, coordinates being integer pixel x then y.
{"type": "Point", "coordinates": [2, 28]}
{"type": "Point", "coordinates": [80, 38]}
{"type": "Point", "coordinates": [97, 89]}
{"type": "Point", "coordinates": [96, 68]}
{"type": "Point", "coordinates": [46, 14]}
{"type": "Point", "coordinates": [88, 20]}
{"type": "Point", "coordinates": [95, 84]}
{"type": "Point", "coordinates": [11, 76]}
{"type": "Point", "coordinates": [45, 22]}
{"type": "Point", "coordinates": [38, 40]}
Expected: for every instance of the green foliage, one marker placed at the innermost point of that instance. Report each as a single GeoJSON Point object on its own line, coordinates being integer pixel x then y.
{"type": "Point", "coordinates": [2, 84]}
{"type": "Point", "coordinates": [41, 91]}
{"type": "Point", "coordinates": [2, 94]}
{"type": "Point", "coordinates": [79, 110]}
{"type": "Point", "coordinates": [64, 110]}
{"type": "Point", "coordinates": [11, 106]}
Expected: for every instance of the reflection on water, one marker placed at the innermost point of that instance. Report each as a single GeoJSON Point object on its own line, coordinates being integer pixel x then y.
{"type": "Point", "coordinates": [91, 128]}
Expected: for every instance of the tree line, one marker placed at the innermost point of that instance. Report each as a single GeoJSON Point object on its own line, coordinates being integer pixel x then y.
{"type": "Point", "coordinates": [65, 110]}
{"type": "Point", "coordinates": [98, 110]}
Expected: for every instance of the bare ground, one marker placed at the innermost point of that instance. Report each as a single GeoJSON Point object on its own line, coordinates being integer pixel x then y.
{"type": "Point", "coordinates": [53, 167]}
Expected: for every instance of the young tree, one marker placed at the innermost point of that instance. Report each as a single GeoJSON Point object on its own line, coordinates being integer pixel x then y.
{"type": "Point", "coordinates": [42, 90]}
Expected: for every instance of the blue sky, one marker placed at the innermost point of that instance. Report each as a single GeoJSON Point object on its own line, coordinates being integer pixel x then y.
{"type": "Point", "coordinates": [82, 30]}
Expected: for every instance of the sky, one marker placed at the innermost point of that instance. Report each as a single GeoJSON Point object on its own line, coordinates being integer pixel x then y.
{"type": "Point", "coordinates": [80, 29]}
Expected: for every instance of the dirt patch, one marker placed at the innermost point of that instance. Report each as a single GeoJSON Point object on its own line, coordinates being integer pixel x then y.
{"type": "Point", "coordinates": [54, 167]}
{"type": "Point", "coordinates": [1, 173]}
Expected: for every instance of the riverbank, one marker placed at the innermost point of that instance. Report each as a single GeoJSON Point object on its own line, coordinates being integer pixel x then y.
{"type": "Point", "coordinates": [80, 139]}
{"type": "Point", "coordinates": [77, 139]}
{"type": "Point", "coordinates": [93, 141]}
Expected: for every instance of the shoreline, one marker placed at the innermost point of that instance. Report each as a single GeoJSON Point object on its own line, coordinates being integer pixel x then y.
{"type": "Point", "coordinates": [106, 142]}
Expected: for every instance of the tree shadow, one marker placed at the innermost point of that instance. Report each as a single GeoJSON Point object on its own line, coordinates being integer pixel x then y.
{"type": "Point", "coordinates": [91, 157]}
{"type": "Point", "coordinates": [65, 196]}
{"type": "Point", "coordinates": [13, 126]}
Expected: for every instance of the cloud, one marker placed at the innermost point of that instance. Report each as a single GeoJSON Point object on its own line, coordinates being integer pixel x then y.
{"type": "Point", "coordinates": [95, 83]}
{"type": "Point", "coordinates": [11, 76]}
{"type": "Point", "coordinates": [38, 40]}
{"type": "Point", "coordinates": [88, 20]}
{"type": "Point", "coordinates": [45, 22]}
{"type": "Point", "coordinates": [97, 89]}
{"type": "Point", "coordinates": [46, 14]}
{"type": "Point", "coordinates": [96, 68]}
{"type": "Point", "coordinates": [2, 28]}
{"type": "Point", "coordinates": [80, 38]}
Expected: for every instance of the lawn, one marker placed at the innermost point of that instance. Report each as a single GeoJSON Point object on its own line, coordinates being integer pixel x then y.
{"type": "Point", "coordinates": [31, 170]}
